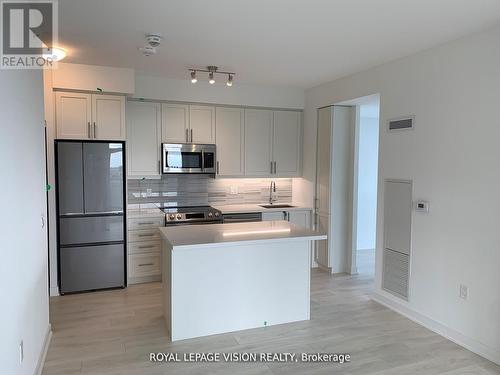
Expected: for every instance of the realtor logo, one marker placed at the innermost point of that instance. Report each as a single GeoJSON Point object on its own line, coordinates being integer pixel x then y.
{"type": "Point", "coordinates": [28, 33]}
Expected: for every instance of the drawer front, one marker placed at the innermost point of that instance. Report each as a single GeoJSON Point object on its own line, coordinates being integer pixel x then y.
{"type": "Point", "coordinates": [152, 234]}
{"type": "Point", "coordinates": [81, 230]}
{"type": "Point", "coordinates": [146, 222]}
{"type": "Point", "coordinates": [144, 247]}
{"type": "Point", "coordinates": [144, 265]}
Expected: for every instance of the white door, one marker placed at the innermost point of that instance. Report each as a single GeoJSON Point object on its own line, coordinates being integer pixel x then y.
{"type": "Point", "coordinates": [274, 215]}
{"type": "Point", "coordinates": [323, 165]}
{"type": "Point", "coordinates": [174, 123]}
{"type": "Point", "coordinates": [258, 142]}
{"type": "Point", "coordinates": [143, 139]}
{"type": "Point", "coordinates": [108, 113]}
{"type": "Point", "coordinates": [201, 124]}
{"type": "Point", "coordinates": [229, 138]}
{"type": "Point", "coordinates": [322, 247]}
{"type": "Point", "coordinates": [286, 143]}
{"type": "Point", "coordinates": [73, 115]}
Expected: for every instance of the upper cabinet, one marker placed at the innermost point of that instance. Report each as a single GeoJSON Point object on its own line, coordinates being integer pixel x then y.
{"type": "Point", "coordinates": [258, 142]}
{"type": "Point", "coordinates": [90, 116]}
{"type": "Point", "coordinates": [183, 123]}
{"type": "Point", "coordinates": [272, 143]}
{"type": "Point", "coordinates": [287, 137]}
{"type": "Point", "coordinates": [201, 124]}
{"type": "Point", "coordinates": [73, 115]}
{"type": "Point", "coordinates": [175, 123]}
{"type": "Point", "coordinates": [143, 139]}
{"type": "Point", "coordinates": [108, 116]}
{"type": "Point", "coordinates": [229, 130]}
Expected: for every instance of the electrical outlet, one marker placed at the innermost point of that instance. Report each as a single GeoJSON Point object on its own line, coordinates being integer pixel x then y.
{"type": "Point", "coordinates": [21, 352]}
{"type": "Point", "coordinates": [464, 291]}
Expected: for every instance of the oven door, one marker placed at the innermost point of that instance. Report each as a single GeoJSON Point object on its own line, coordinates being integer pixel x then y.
{"type": "Point", "coordinates": [179, 158]}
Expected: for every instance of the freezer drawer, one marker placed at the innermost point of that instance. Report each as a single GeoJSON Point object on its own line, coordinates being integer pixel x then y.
{"type": "Point", "coordinates": [92, 229]}
{"type": "Point", "coordinates": [92, 267]}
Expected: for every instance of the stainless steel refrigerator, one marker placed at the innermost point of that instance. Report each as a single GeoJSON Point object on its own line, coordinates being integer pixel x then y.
{"type": "Point", "coordinates": [91, 216]}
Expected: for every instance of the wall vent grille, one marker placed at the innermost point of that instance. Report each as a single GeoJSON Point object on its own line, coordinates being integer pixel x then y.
{"type": "Point", "coordinates": [402, 123]}
{"type": "Point", "coordinates": [396, 273]}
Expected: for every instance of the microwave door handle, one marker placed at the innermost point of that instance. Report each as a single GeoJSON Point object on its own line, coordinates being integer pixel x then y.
{"type": "Point", "coordinates": [202, 161]}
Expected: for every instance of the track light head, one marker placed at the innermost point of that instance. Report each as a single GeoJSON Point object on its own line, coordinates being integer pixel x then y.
{"type": "Point", "coordinates": [229, 80]}
{"type": "Point", "coordinates": [211, 79]}
{"type": "Point", "coordinates": [193, 77]}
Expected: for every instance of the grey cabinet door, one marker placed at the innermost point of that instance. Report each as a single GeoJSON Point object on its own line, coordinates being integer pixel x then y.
{"type": "Point", "coordinates": [92, 267]}
{"type": "Point", "coordinates": [70, 177]}
{"type": "Point", "coordinates": [103, 177]}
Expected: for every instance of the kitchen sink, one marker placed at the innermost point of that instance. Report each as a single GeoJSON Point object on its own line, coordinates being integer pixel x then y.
{"type": "Point", "coordinates": [276, 205]}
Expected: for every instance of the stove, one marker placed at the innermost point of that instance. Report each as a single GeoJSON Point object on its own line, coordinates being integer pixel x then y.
{"type": "Point", "coordinates": [191, 215]}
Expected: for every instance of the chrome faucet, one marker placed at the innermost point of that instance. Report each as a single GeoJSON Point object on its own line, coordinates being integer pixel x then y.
{"type": "Point", "coordinates": [272, 193]}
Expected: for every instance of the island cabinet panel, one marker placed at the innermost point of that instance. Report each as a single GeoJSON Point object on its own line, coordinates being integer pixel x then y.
{"type": "Point", "coordinates": [229, 130]}
{"type": "Point", "coordinates": [244, 286]}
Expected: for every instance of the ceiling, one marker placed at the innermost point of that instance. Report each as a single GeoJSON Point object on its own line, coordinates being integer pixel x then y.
{"type": "Point", "coordinates": [267, 42]}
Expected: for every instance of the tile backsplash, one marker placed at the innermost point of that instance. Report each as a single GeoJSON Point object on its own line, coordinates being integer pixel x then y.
{"type": "Point", "coordinates": [189, 190]}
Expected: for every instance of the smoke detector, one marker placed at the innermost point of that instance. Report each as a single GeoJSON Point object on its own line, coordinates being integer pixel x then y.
{"type": "Point", "coordinates": [147, 51]}
{"type": "Point", "coordinates": [154, 40]}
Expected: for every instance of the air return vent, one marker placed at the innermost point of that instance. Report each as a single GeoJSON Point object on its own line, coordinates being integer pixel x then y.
{"type": "Point", "coordinates": [401, 123]}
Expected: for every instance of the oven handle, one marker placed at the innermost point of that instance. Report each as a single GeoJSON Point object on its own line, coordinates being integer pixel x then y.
{"type": "Point", "coordinates": [202, 161]}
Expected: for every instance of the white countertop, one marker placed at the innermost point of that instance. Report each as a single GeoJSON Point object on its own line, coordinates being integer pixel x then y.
{"type": "Point", "coordinates": [144, 212]}
{"type": "Point", "coordinates": [239, 208]}
{"type": "Point", "coordinates": [216, 235]}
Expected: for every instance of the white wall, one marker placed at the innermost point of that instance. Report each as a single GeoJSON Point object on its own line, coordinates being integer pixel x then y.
{"type": "Point", "coordinates": [367, 181]}
{"type": "Point", "coordinates": [453, 158]}
{"type": "Point", "coordinates": [23, 269]}
{"type": "Point", "coordinates": [161, 88]}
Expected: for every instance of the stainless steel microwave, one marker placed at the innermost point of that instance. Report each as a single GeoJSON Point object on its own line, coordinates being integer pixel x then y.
{"type": "Point", "coordinates": [188, 158]}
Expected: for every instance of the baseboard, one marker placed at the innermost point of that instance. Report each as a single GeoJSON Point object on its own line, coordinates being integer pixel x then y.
{"type": "Point", "coordinates": [53, 291]}
{"type": "Point", "coordinates": [43, 353]}
{"type": "Point", "coordinates": [449, 333]}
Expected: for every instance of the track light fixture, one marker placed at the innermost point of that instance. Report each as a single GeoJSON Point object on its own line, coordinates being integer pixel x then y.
{"type": "Point", "coordinates": [212, 70]}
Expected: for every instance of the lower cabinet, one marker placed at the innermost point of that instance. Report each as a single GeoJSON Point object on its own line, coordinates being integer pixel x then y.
{"type": "Point", "coordinates": [144, 249]}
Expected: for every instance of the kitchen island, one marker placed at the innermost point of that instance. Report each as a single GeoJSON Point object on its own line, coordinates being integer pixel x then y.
{"type": "Point", "coordinates": [227, 277]}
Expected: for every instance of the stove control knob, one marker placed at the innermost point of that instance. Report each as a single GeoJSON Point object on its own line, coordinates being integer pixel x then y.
{"type": "Point", "coordinates": [210, 214]}
{"type": "Point", "coordinates": [217, 214]}
{"type": "Point", "coordinates": [179, 216]}
{"type": "Point", "coordinates": [171, 217]}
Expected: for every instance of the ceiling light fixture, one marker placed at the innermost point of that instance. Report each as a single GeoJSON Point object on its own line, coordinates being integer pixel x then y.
{"type": "Point", "coordinates": [212, 70]}
{"type": "Point", "coordinates": [54, 53]}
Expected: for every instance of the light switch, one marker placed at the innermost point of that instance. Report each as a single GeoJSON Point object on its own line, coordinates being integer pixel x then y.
{"type": "Point", "coordinates": [422, 206]}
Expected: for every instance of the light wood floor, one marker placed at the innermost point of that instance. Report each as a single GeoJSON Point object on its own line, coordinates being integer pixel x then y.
{"type": "Point", "coordinates": [113, 332]}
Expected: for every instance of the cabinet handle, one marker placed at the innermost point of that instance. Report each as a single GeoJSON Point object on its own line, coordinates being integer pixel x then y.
{"type": "Point", "coordinates": [146, 235]}
{"type": "Point", "coordinates": [217, 167]}
{"type": "Point", "coordinates": [148, 223]}
{"type": "Point", "coordinates": [187, 136]}
{"type": "Point", "coordinates": [191, 135]}
{"type": "Point", "coordinates": [159, 166]}
{"type": "Point", "coordinates": [146, 247]}
{"type": "Point", "coordinates": [146, 264]}
{"type": "Point", "coordinates": [274, 167]}
{"type": "Point", "coordinates": [271, 166]}
{"type": "Point", "coordinates": [88, 129]}
{"type": "Point", "coordinates": [95, 132]}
